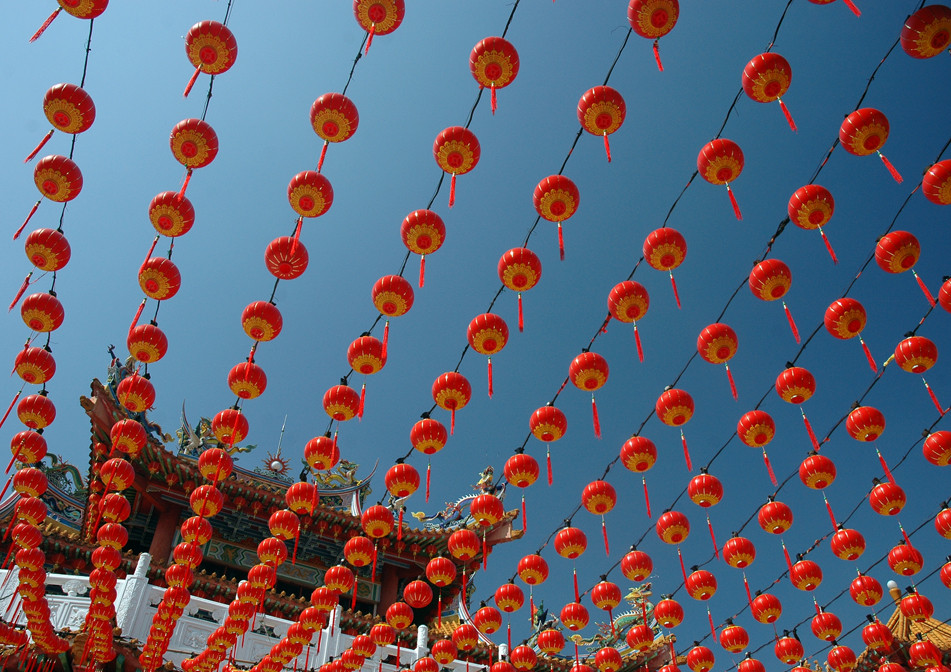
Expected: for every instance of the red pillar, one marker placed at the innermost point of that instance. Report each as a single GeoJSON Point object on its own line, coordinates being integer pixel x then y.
{"type": "Point", "coordinates": [165, 529]}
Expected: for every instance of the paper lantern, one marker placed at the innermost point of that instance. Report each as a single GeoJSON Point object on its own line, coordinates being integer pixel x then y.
{"type": "Point", "coordinates": [556, 199]}
{"type": "Point", "coordinates": [310, 194]}
{"type": "Point", "coordinates": [897, 252]}
{"type": "Point", "coordinates": [865, 590]}
{"type": "Point", "coordinates": [826, 626]}
{"type": "Point", "coordinates": [378, 17]}
{"type": "Point", "coordinates": [463, 545]}
{"type": "Point", "coordinates": [601, 111]}
{"type": "Point", "coordinates": [845, 319]}
{"type": "Point", "coordinates": [700, 659]}
{"type": "Point", "coordinates": [717, 344]}
{"type": "Point", "coordinates": [321, 453]}
{"type": "Point", "coordinates": [789, 650]}
{"type": "Point", "coordinates": [34, 365]}
{"type": "Point", "coordinates": [42, 312]}
{"type": "Point", "coordinates": [887, 499]}
{"type": "Point", "coordinates": [672, 527]}
{"type": "Point", "coordinates": [917, 354]}
{"type": "Point", "coordinates": [465, 637]}
{"type": "Point", "coordinates": [334, 117]}
{"type": "Point", "coordinates": [509, 597]}
{"type": "Point", "coordinates": [532, 569]}
{"type": "Point", "coordinates": [749, 664]}
{"type": "Point", "coordinates": [136, 393]}
{"type": "Point", "coordinates": [589, 371]}
{"type": "Point", "coordinates": [206, 501]}
{"type": "Point", "coordinates": [272, 551]}
{"type": "Point", "coordinates": [358, 551]}
{"type": "Point", "coordinates": [640, 638]}
{"type": "Point", "coordinates": [705, 490]}
{"type": "Point", "coordinates": [493, 63]}
{"type": "Point", "coordinates": [811, 207]}
{"type": "Point", "coordinates": [194, 143]}
{"type": "Point", "coordinates": [864, 132]}
{"type": "Point", "coordinates": [674, 408]}
{"type": "Point", "coordinates": [211, 48]}
{"type": "Point", "coordinates": [664, 250]}
{"type": "Point", "coordinates": [628, 301]}
{"type": "Point", "coordinates": [653, 19]}
{"type": "Point", "coordinates": [147, 343]}
{"type": "Point", "coordinates": [636, 565]}
{"type": "Point", "coordinates": [452, 392]}
{"type": "Point", "coordinates": [739, 552]}
{"type": "Point", "coordinates": [444, 651]}
{"type": "Point", "coordinates": [423, 232]}
{"type": "Point", "coordinates": [734, 638]}
{"type": "Point", "coordinates": [905, 560]}
{"type": "Point", "coordinates": [230, 426]}
{"type": "Point", "coordinates": [523, 658]}
{"type": "Point", "coordinates": [924, 653]}
{"type": "Point", "coordinates": [286, 258]}
{"type": "Point", "coordinates": [770, 280]}
{"type": "Point", "coordinates": [936, 183]}
{"type": "Point", "coordinates": [766, 78]}
{"type": "Point", "coordinates": [401, 480]}
{"type": "Point", "coordinates": [262, 321]}
{"type": "Point", "coordinates": [756, 429]}
{"type": "Point", "coordinates": [805, 575]}
{"type": "Point", "coordinates": [247, 380]}
{"type": "Point", "coordinates": [937, 448]}
{"type": "Point", "coordinates": [570, 542]}
{"type": "Point", "coordinates": [521, 470]}
{"type": "Point", "coordinates": [486, 510]}
{"type": "Point", "coordinates": [426, 665]}
{"type": "Point", "coordinates": [341, 403]}
{"type": "Point", "coordinates": [720, 162]}
{"type": "Point", "coordinates": [284, 524]}
{"type": "Point", "coordinates": [69, 109]}
{"type": "Point", "coordinates": [456, 151]}
{"type": "Point", "coordinates": [377, 521]}
{"type": "Point", "coordinates": [47, 249]}
{"type": "Point", "coordinates": [766, 608]}
{"type": "Point", "coordinates": [487, 334]}
{"type": "Point", "coordinates": [841, 659]}
{"type": "Point", "coordinates": [606, 596]}
{"type": "Point", "coordinates": [847, 544]}
{"type": "Point", "coordinates": [171, 215]}
{"type": "Point", "coordinates": [487, 620]}
{"type": "Point", "coordinates": [28, 447]}
{"type": "Point", "coordinates": [520, 269]}
{"type": "Point", "coordinates": [196, 530]}
{"type": "Point", "coordinates": [550, 642]}
{"type": "Point", "coordinates": [58, 179]}
{"type": "Point", "coordinates": [116, 474]}
{"type": "Point", "coordinates": [942, 523]}
{"type": "Point", "coordinates": [417, 594]}
{"type": "Point", "coordinates": [701, 584]}
{"type": "Point", "coordinates": [599, 497]}
{"type": "Point", "coordinates": [428, 436]}
{"type": "Point", "coordinates": [817, 472]}
{"type": "Point", "coordinates": [669, 613]}
{"type": "Point", "coordinates": [927, 32]}
{"type": "Point", "coordinates": [638, 454]}
{"type": "Point", "coordinates": [916, 607]}
{"type": "Point", "coordinates": [574, 616]}
{"type": "Point", "coordinates": [36, 411]}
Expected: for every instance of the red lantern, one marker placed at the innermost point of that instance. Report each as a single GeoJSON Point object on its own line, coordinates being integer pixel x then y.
{"type": "Point", "coordinates": [494, 64]}
{"type": "Point", "coordinates": [817, 472]}
{"type": "Point", "coordinates": [705, 490]}
{"type": "Point", "coordinates": [766, 608]}
{"type": "Point", "coordinates": [206, 501]}
{"type": "Point", "coordinates": [720, 162]}
{"type": "Point", "coordinates": [310, 194]}
{"type": "Point", "coordinates": [628, 301]}
{"type": "Point", "coordinates": [653, 19]}
{"type": "Point", "coordinates": [377, 521]}
{"type": "Point", "coordinates": [805, 575]}
{"type": "Point", "coordinates": [401, 480]}
{"type": "Point", "coordinates": [69, 109]}
{"type": "Point", "coordinates": [937, 448]}
{"type": "Point", "coordinates": [444, 651]}
{"type": "Point", "coordinates": [29, 482]}
{"type": "Point", "coordinates": [532, 569]}
{"type": "Point", "coordinates": [452, 392]}
{"type": "Point", "coordinates": [826, 626]}
{"type": "Point", "coordinates": [262, 321]}
{"type": "Point", "coordinates": [36, 411]}
{"type": "Point", "coordinates": [664, 250]}
{"type": "Point", "coordinates": [300, 497]}
{"type": "Point", "coordinates": [924, 653]}
{"type": "Point", "coordinates": [230, 426]}
{"type": "Point", "coordinates": [136, 393]}
{"type": "Point", "coordinates": [739, 552]}
{"type": "Point", "coordinates": [574, 616]}
{"type": "Point", "coordinates": [487, 334]}
{"type": "Point", "coordinates": [756, 429]}
{"type": "Point", "coordinates": [606, 595]}
{"type": "Point", "coordinates": [29, 447]}
{"type": "Point", "coordinates": [700, 659]}
{"type": "Point", "coordinates": [456, 151]}
{"type": "Point", "coordinates": [916, 607]}
{"type": "Point", "coordinates": [877, 636]}
{"type": "Point", "coordinates": [865, 591]}
{"type": "Point", "coordinates": [636, 565]}
{"type": "Point", "coordinates": [749, 664]}
{"type": "Point", "coordinates": [674, 408]}
{"type": "Point", "coordinates": [917, 354]}
{"type": "Point", "coordinates": [426, 665]}
{"type": "Point", "coordinates": [47, 249]}
{"type": "Point", "coordinates": [272, 551]}
{"type": "Point", "coordinates": [766, 78]}
{"type": "Point", "coordinates": [701, 584]}
{"type": "Point", "coordinates": [284, 524]}
{"type": "Point", "coordinates": [548, 424]}
{"type": "Point", "coordinates": [378, 17]}
{"type": "Point", "coordinates": [423, 232]}
{"type": "Point", "coordinates": [30, 510]}
{"type": "Point", "coordinates": [942, 523]}
{"type": "Point", "coordinates": [428, 436]}
{"type": "Point", "coordinates": [601, 111]}
{"type": "Point", "coordinates": [247, 380]}
{"type": "Point", "coordinates": [211, 48]}
{"type": "Point", "coordinates": [842, 659]}
{"type": "Point", "coordinates": [42, 312]}
{"type": "Point", "coordinates": [905, 560]}
{"type": "Point", "coordinates": [286, 258]}
{"type": "Point", "coordinates": [58, 179]}
{"type": "Point", "coordinates": [520, 269]}
{"type": "Point", "coordinates": [570, 542]}
{"type": "Point", "coordinates": [556, 199]}
{"type": "Point", "coordinates": [599, 497]}
{"type": "Point", "coordinates": [638, 454]}
{"type": "Point", "coordinates": [770, 280]}
{"type": "Point", "coordinates": [441, 572]}
{"type": "Point", "coordinates": [34, 365]}
{"type": "Point", "coordinates": [936, 184]}
{"type": "Point", "coordinates": [897, 252]}
{"type": "Point", "coordinates": [171, 215]}
{"type": "Point", "coordinates": [324, 599]}
{"type": "Point", "coordinates": [487, 620]}
{"type": "Point", "coordinates": [362, 645]}
{"type": "Point", "coordinates": [551, 642]}
{"type": "Point", "coordinates": [509, 597]}
{"type": "Point", "coordinates": [159, 278]}
{"type": "Point", "coordinates": [845, 319]}
{"type": "Point", "coordinates": [673, 527]}
{"type": "Point", "coordinates": [418, 594]}
{"type": "Point", "coordinates": [521, 470]}
{"type": "Point", "coordinates": [117, 474]}
{"type": "Point", "coordinates": [789, 650]}
{"type": "Point", "coordinates": [865, 423]}
{"type": "Point", "coordinates": [147, 343]}
{"type": "Point", "coordinates": [589, 371]}
{"type": "Point", "coordinates": [196, 530]}
{"type": "Point", "coordinates": [334, 118]}
{"type": "Point", "coordinates": [523, 658]}
{"type": "Point", "coordinates": [463, 545]}
{"type": "Point", "coordinates": [358, 551]}
{"type": "Point", "coordinates": [795, 385]}
{"type": "Point", "coordinates": [734, 638]}
{"type": "Point", "coordinates": [927, 32]}
{"type": "Point", "coordinates": [321, 453]}
{"type": "Point", "coordinates": [717, 344]}
{"type": "Point", "coordinates": [847, 544]}
{"type": "Point", "coordinates": [887, 499]}
{"type": "Point", "coordinates": [811, 207]}
{"type": "Point", "coordinates": [864, 132]}
{"type": "Point", "coordinates": [341, 403]}
{"type": "Point", "coordinates": [486, 510]}
{"type": "Point", "coordinates": [669, 613]}
{"type": "Point", "coordinates": [194, 144]}
{"type": "Point", "coordinates": [465, 637]}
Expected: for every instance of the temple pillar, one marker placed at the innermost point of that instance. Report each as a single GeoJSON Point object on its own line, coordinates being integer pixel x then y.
{"type": "Point", "coordinates": [165, 529]}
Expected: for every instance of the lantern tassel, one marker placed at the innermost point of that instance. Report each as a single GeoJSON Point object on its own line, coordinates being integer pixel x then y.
{"type": "Point", "coordinates": [574, 576]}
{"type": "Point", "coordinates": [729, 376]}
{"type": "Point", "coordinates": [792, 322]}
{"type": "Point", "coordinates": [422, 270]}
{"type": "Point", "coordinates": [524, 516]}
{"type": "Point", "coordinates": [736, 206]}
{"type": "Point", "coordinates": [521, 319]}
{"type": "Point", "coordinates": [297, 231]}
{"type": "Point", "coordinates": [138, 314]}
{"type": "Point", "coordinates": [851, 5]}
{"type": "Point", "coordinates": [749, 595]}
{"type": "Point", "coordinates": [452, 190]}
{"type": "Point", "coordinates": [508, 626]}
{"type": "Point", "coordinates": [868, 355]}
{"type": "Point", "coordinates": [353, 597]}
{"type": "Point", "coordinates": [548, 464]}
{"type": "Point", "coordinates": [28, 218]}
{"type": "Point", "coordinates": [365, 52]}
{"type": "Point", "coordinates": [683, 440]}
{"type": "Point", "coordinates": [792, 124]}
{"type": "Point", "coordinates": [495, 102]}
{"type": "Point", "coordinates": [363, 397]}
{"type": "Point", "coordinates": [386, 338]}
{"type": "Point", "coordinates": [452, 421]}
{"type": "Point", "coordinates": [19, 294]}
{"type": "Point", "coordinates": [191, 82]}
{"type": "Point", "coordinates": [439, 610]}
{"type": "Point", "coordinates": [604, 533]}
{"type": "Point", "coordinates": [490, 377]}
{"type": "Point", "coordinates": [637, 340]}
{"type": "Point", "coordinates": [647, 498]}
{"type": "Point", "coordinates": [323, 155]}
{"type": "Point", "coordinates": [835, 525]}
{"type": "Point", "coordinates": [296, 542]}
{"type": "Point", "coordinates": [46, 24]}
{"type": "Point", "coordinates": [10, 407]}
{"type": "Point", "coordinates": [713, 630]}
{"type": "Point", "coordinates": [769, 468]}
{"type": "Point", "coordinates": [399, 526]}
{"type": "Point", "coordinates": [786, 556]}
{"type": "Point", "coordinates": [905, 535]}
{"type": "Point", "coordinates": [429, 468]}
{"type": "Point", "coordinates": [713, 538]}
{"type": "Point", "coordinates": [888, 164]}
{"type": "Point", "coordinates": [181, 192]}
{"type": "Point", "coordinates": [812, 434]}
{"type": "Point", "coordinates": [561, 241]}
{"type": "Point", "coordinates": [607, 146]}
{"type": "Point", "coordinates": [673, 284]}
{"type": "Point", "coordinates": [611, 618]}
{"type": "Point", "coordinates": [888, 472]}
{"type": "Point", "coordinates": [660, 66]}
{"type": "Point", "coordinates": [683, 570]}
{"type": "Point", "coordinates": [934, 398]}
{"type": "Point", "coordinates": [924, 288]}
{"type": "Point", "coordinates": [373, 568]}
{"type": "Point", "coordinates": [594, 415]}
{"type": "Point", "coordinates": [825, 240]}
{"type": "Point", "coordinates": [485, 552]}
{"type": "Point", "coordinates": [36, 150]}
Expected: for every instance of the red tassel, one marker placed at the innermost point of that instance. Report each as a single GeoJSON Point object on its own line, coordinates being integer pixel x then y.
{"type": "Point", "coordinates": [373, 568]}
{"type": "Point", "coordinates": [508, 626]}
{"type": "Point", "coordinates": [792, 124]}
{"type": "Point", "coordinates": [452, 422]}
{"type": "Point", "coordinates": [891, 169]}
{"type": "Point", "coordinates": [683, 570]}
{"type": "Point", "coordinates": [660, 66]}
{"type": "Point", "coordinates": [386, 338]}
{"type": "Point", "coordinates": [905, 535]}
{"type": "Point", "coordinates": [26, 221]}
{"type": "Point", "coordinates": [439, 607]}
{"type": "Point", "coordinates": [490, 377]}
{"type": "Point", "coordinates": [835, 525]}
{"type": "Point", "coordinates": [713, 630]}
{"type": "Point", "coordinates": [524, 516]}
{"type": "Point", "coordinates": [46, 138]}
{"type": "Point", "coordinates": [673, 283]}
{"type": "Point", "coordinates": [812, 435]}
{"type": "Point", "coordinates": [320, 638]}
{"type": "Point", "coordinates": [365, 52]}
{"type": "Point", "coordinates": [825, 240]}
{"type": "Point", "coordinates": [151, 250]}
{"type": "Point", "coordinates": [792, 322]}
{"type": "Point", "coordinates": [607, 146]}
{"type": "Point", "coordinates": [729, 376]}
{"type": "Point", "coordinates": [521, 319]}
{"type": "Point", "coordinates": [788, 560]}
{"type": "Point", "coordinates": [138, 314]}
{"type": "Point", "coordinates": [637, 340]}
{"type": "Point", "coordinates": [422, 270]}
{"type": "Point", "coordinates": [323, 155]}
{"type": "Point", "coordinates": [561, 243]}
{"type": "Point", "coordinates": [924, 288]}
{"type": "Point", "coordinates": [46, 24]}
{"type": "Point", "coordinates": [306, 658]}
{"type": "Point", "coordinates": [604, 533]}
{"type": "Point", "coordinates": [647, 498]}
{"type": "Point", "coordinates": [428, 473]}
{"type": "Point", "coordinates": [574, 575]}
{"type": "Point", "coordinates": [868, 355]}
{"type": "Point", "coordinates": [399, 526]}
{"type": "Point", "coordinates": [934, 398]}
{"type": "Point", "coordinates": [297, 230]}
{"type": "Point", "coordinates": [736, 206]}
{"type": "Point", "coordinates": [683, 440]}
{"type": "Point", "coordinates": [296, 542]}
{"type": "Point", "coordinates": [548, 464]}
{"type": "Point", "coordinates": [452, 190]}
{"type": "Point", "coordinates": [749, 595]}
{"type": "Point", "coordinates": [716, 551]}
{"type": "Point", "coordinates": [26, 283]}
{"type": "Point", "coordinates": [485, 552]}
{"type": "Point", "coordinates": [10, 407]}
{"type": "Point", "coordinates": [191, 82]}
{"type": "Point", "coordinates": [594, 414]}
{"type": "Point", "coordinates": [769, 468]}
{"type": "Point", "coordinates": [495, 103]}
{"type": "Point", "coordinates": [188, 178]}
{"type": "Point", "coordinates": [888, 473]}
{"type": "Point", "coordinates": [851, 5]}
{"type": "Point", "coordinates": [363, 398]}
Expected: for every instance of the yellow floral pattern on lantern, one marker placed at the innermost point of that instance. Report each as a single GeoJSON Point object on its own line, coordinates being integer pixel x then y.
{"type": "Point", "coordinates": [547, 431]}
{"type": "Point", "coordinates": [552, 197]}
{"type": "Point", "coordinates": [904, 257]}
{"type": "Point", "coordinates": [167, 220]}
{"type": "Point", "coordinates": [759, 434]}
{"type": "Point", "coordinates": [39, 320]}
{"type": "Point", "coordinates": [145, 351]}
{"type": "Point", "coordinates": [488, 341]}
{"type": "Point", "coordinates": [429, 446]}
{"type": "Point", "coordinates": [259, 328]}
{"type": "Point", "coordinates": [497, 58]}
{"type": "Point", "coordinates": [154, 283]}
{"type": "Point", "coordinates": [933, 39]}
{"type": "Point", "coordinates": [796, 394]}
{"type": "Point", "coordinates": [774, 287]}
{"type": "Point", "coordinates": [391, 304]}
{"type": "Point", "coordinates": [390, 13]}
{"type": "Point", "coordinates": [850, 323]}
{"type": "Point", "coordinates": [224, 58]}
{"type": "Point", "coordinates": [182, 144]}
{"type": "Point", "coordinates": [674, 534]}
{"type": "Point", "coordinates": [133, 400]}
{"type": "Point", "coordinates": [82, 9]}
{"type": "Point", "coordinates": [429, 233]}
{"type": "Point", "coordinates": [630, 307]}
{"type": "Point", "coordinates": [676, 415]}
{"type": "Point", "coordinates": [339, 411]}
{"type": "Point", "coordinates": [720, 349]}
{"type": "Point", "coordinates": [44, 254]}
{"type": "Point", "coordinates": [722, 169]}
{"type": "Point", "coordinates": [53, 184]}
{"type": "Point", "coordinates": [867, 139]}
{"type": "Point", "coordinates": [519, 277]}
{"type": "Point", "coordinates": [639, 462]}
{"type": "Point", "coordinates": [456, 157]}
{"type": "Point", "coordinates": [589, 379]}
{"type": "Point", "coordinates": [813, 213]}
{"type": "Point", "coordinates": [603, 117]}
{"type": "Point", "coordinates": [366, 363]}
{"type": "Point", "coordinates": [332, 125]}
{"type": "Point", "coordinates": [308, 201]}
{"type": "Point", "coordinates": [650, 11]}
{"type": "Point", "coordinates": [59, 111]}
{"type": "Point", "coordinates": [451, 399]}
{"type": "Point", "coordinates": [914, 364]}
{"type": "Point", "coordinates": [769, 85]}
{"type": "Point", "coordinates": [666, 256]}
